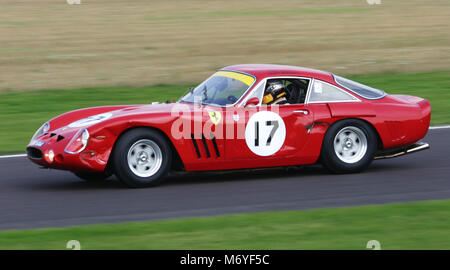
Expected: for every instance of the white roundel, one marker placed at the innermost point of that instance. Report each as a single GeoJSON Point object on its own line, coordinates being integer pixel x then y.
{"type": "Point", "coordinates": [90, 120]}
{"type": "Point", "coordinates": [265, 133]}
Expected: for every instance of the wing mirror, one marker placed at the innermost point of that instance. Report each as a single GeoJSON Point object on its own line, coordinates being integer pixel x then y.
{"type": "Point", "coordinates": [254, 101]}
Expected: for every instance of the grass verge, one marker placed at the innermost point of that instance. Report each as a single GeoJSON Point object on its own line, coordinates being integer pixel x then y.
{"type": "Point", "coordinates": [418, 225]}
{"type": "Point", "coordinates": [21, 113]}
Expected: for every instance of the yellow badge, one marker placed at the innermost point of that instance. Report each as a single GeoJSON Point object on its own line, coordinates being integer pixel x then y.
{"type": "Point", "coordinates": [215, 117]}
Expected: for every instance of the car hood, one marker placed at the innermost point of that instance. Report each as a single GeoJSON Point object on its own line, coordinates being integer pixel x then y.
{"type": "Point", "coordinates": [73, 121]}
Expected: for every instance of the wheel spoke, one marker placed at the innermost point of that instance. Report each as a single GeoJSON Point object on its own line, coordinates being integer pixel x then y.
{"type": "Point", "coordinates": [346, 154]}
{"type": "Point", "coordinates": [144, 158]}
{"type": "Point", "coordinates": [353, 136]}
{"type": "Point", "coordinates": [350, 144]}
{"type": "Point", "coordinates": [150, 152]}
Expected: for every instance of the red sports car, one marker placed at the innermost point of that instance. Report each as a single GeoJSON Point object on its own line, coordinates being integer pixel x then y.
{"type": "Point", "coordinates": [243, 116]}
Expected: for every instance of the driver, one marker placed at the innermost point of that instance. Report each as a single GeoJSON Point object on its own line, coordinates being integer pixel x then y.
{"type": "Point", "coordinates": [275, 94]}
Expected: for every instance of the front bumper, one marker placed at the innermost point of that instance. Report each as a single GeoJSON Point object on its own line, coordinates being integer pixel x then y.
{"type": "Point", "coordinates": [94, 158]}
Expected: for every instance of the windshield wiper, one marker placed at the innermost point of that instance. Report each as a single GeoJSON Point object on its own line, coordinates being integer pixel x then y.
{"type": "Point", "coordinates": [205, 93]}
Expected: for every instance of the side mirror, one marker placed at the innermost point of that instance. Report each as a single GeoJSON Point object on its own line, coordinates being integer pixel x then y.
{"type": "Point", "coordinates": [253, 101]}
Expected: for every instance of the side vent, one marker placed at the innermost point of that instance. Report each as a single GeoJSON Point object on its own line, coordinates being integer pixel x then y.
{"type": "Point", "coordinates": [195, 146]}
{"type": "Point", "coordinates": [204, 143]}
{"type": "Point", "coordinates": [208, 155]}
{"type": "Point", "coordinates": [213, 138]}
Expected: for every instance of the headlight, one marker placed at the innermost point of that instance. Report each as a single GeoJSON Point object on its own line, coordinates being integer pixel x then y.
{"type": "Point", "coordinates": [78, 142]}
{"type": "Point", "coordinates": [43, 129]}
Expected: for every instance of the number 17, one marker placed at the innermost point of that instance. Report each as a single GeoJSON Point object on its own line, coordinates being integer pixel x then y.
{"type": "Point", "coordinates": [273, 123]}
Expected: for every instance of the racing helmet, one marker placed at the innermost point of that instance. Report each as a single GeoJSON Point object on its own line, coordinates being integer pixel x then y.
{"type": "Point", "coordinates": [275, 90]}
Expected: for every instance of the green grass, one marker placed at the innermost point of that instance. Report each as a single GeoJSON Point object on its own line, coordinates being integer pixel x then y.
{"type": "Point", "coordinates": [21, 113]}
{"type": "Point", "coordinates": [419, 225]}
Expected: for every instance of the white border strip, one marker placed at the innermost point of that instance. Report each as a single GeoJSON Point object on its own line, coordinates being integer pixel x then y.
{"type": "Point", "coordinates": [24, 155]}
{"type": "Point", "coordinates": [13, 156]}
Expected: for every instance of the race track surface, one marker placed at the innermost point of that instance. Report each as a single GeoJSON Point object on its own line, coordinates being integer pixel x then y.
{"type": "Point", "coordinates": [34, 198]}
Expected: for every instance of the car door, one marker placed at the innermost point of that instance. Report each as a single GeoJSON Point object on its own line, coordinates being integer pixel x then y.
{"type": "Point", "coordinates": [267, 133]}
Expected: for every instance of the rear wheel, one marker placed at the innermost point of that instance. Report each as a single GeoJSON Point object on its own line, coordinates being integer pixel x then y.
{"type": "Point", "coordinates": [349, 146]}
{"type": "Point", "coordinates": [142, 158]}
{"type": "Point", "coordinates": [92, 176]}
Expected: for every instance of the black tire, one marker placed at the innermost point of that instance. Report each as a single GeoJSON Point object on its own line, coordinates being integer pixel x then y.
{"type": "Point", "coordinates": [362, 160]}
{"type": "Point", "coordinates": [92, 176]}
{"type": "Point", "coordinates": [121, 151]}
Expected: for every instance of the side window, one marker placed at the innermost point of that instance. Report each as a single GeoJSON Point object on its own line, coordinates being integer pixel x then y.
{"type": "Point", "coordinates": [324, 92]}
{"type": "Point", "coordinates": [359, 88]}
{"type": "Point", "coordinates": [297, 89]}
{"type": "Point", "coordinates": [285, 91]}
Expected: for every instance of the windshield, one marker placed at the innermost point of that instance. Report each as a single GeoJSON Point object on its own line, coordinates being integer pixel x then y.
{"type": "Point", "coordinates": [222, 88]}
{"type": "Point", "coordinates": [359, 88]}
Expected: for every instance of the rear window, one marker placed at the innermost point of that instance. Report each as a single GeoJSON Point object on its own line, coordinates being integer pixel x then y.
{"type": "Point", "coordinates": [359, 88]}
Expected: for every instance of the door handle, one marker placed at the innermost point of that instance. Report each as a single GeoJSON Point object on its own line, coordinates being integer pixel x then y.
{"type": "Point", "coordinates": [305, 112]}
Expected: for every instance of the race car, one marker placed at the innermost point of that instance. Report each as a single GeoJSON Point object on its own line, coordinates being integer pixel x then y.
{"type": "Point", "coordinates": [243, 116]}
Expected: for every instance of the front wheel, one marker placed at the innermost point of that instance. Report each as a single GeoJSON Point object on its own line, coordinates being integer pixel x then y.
{"type": "Point", "coordinates": [142, 158]}
{"type": "Point", "coordinates": [349, 146]}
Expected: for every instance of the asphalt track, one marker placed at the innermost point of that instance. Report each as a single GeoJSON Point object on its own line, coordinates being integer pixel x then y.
{"type": "Point", "coordinates": [34, 198]}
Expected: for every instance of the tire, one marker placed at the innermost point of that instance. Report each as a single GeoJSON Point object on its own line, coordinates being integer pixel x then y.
{"type": "Point", "coordinates": [92, 176]}
{"type": "Point", "coordinates": [349, 146]}
{"type": "Point", "coordinates": [142, 158]}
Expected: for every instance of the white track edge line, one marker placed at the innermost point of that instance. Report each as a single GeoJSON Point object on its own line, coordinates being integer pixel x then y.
{"type": "Point", "coordinates": [24, 155]}
{"type": "Point", "coordinates": [439, 127]}
{"type": "Point", "coordinates": [13, 156]}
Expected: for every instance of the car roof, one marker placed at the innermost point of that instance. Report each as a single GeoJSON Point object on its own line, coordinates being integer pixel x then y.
{"type": "Point", "coordinates": [261, 71]}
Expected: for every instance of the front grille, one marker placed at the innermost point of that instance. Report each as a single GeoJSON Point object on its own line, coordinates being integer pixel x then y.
{"type": "Point", "coordinates": [34, 153]}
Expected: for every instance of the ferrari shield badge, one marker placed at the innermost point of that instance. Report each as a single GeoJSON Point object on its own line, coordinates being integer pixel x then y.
{"type": "Point", "coordinates": [215, 117]}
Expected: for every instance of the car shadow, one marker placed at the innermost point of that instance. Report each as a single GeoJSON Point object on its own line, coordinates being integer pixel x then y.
{"type": "Point", "coordinates": [241, 175]}
{"type": "Point", "coordinates": [192, 178]}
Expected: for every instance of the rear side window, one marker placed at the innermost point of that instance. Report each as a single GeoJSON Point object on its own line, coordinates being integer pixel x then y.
{"type": "Point", "coordinates": [359, 88]}
{"type": "Point", "coordinates": [324, 92]}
